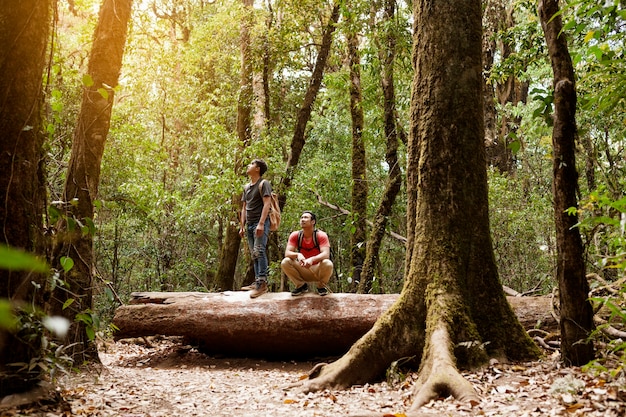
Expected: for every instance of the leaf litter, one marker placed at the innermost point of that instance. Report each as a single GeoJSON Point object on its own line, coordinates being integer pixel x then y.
{"type": "Point", "coordinates": [167, 378]}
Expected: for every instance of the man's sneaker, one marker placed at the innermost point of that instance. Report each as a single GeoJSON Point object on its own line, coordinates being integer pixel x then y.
{"type": "Point", "coordinates": [322, 291]}
{"type": "Point", "coordinates": [249, 287]}
{"type": "Point", "coordinates": [259, 289]}
{"type": "Point", "coordinates": [301, 289]}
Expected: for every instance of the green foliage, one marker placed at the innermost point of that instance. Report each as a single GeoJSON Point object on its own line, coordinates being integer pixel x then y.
{"type": "Point", "coordinates": [523, 234]}
{"type": "Point", "coordinates": [17, 260]}
{"type": "Point", "coordinates": [32, 328]}
{"type": "Point", "coordinates": [603, 222]}
{"type": "Point", "coordinates": [172, 171]}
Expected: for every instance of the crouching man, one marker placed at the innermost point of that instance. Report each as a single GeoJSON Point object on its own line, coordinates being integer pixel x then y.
{"type": "Point", "coordinates": [307, 257]}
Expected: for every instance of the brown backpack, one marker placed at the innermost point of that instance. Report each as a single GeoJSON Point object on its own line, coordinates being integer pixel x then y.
{"type": "Point", "coordinates": [274, 209]}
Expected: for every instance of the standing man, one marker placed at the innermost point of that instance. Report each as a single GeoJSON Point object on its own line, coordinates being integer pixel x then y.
{"type": "Point", "coordinates": [254, 214]}
{"type": "Point", "coordinates": [307, 257]}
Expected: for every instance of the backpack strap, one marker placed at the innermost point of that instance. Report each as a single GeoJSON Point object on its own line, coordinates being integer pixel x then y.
{"type": "Point", "coordinates": [301, 237]}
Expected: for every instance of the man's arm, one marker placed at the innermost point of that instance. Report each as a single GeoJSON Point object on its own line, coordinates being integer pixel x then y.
{"type": "Point", "coordinates": [291, 251]}
{"type": "Point", "coordinates": [267, 203]}
{"type": "Point", "coordinates": [324, 254]}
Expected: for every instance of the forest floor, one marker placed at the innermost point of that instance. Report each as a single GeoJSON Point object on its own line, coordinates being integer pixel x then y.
{"type": "Point", "coordinates": [167, 378]}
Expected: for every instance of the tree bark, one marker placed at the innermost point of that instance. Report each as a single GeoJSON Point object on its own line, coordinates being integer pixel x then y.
{"type": "Point", "coordinates": [576, 310]}
{"type": "Point", "coordinates": [76, 227]}
{"type": "Point", "coordinates": [276, 325]}
{"type": "Point", "coordinates": [386, 54]}
{"type": "Point", "coordinates": [452, 311]}
{"type": "Point", "coordinates": [24, 28]}
{"type": "Point", "coordinates": [359, 172]}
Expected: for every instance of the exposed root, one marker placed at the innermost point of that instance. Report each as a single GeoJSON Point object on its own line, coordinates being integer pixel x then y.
{"type": "Point", "coordinates": [336, 375]}
{"type": "Point", "coordinates": [440, 378]}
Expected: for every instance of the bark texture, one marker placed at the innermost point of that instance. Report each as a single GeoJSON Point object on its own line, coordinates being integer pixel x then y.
{"type": "Point", "coordinates": [76, 227]}
{"type": "Point", "coordinates": [24, 28]}
{"type": "Point", "coordinates": [576, 309]}
{"type": "Point", "coordinates": [452, 311]}
{"type": "Point", "coordinates": [359, 163]}
{"type": "Point", "coordinates": [276, 325]}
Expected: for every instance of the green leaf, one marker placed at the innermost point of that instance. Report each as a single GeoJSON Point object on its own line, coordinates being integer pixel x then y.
{"type": "Point", "coordinates": [17, 260]}
{"type": "Point", "coordinates": [91, 334]}
{"type": "Point", "coordinates": [515, 146]}
{"type": "Point", "coordinates": [87, 80]}
{"type": "Point", "coordinates": [7, 318]}
{"type": "Point", "coordinates": [589, 36]}
{"type": "Point", "coordinates": [104, 93]}
{"type": "Point", "coordinates": [54, 214]}
{"type": "Point", "coordinates": [67, 263]}
{"type": "Point", "coordinates": [68, 303]}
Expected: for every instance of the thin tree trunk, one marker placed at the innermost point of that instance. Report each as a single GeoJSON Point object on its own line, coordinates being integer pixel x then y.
{"type": "Point", "coordinates": [76, 228]}
{"type": "Point", "coordinates": [225, 277]}
{"type": "Point", "coordinates": [359, 175]}
{"type": "Point", "coordinates": [576, 310]}
{"type": "Point", "coordinates": [386, 54]}
{"type": "Point", "coordinates": [24, 29]}
{"type": "Point", "coordinates": [304, 114]}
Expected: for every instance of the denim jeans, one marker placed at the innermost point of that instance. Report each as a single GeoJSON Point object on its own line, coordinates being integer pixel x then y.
{"type": "Point", "coordinates": [258, 245]}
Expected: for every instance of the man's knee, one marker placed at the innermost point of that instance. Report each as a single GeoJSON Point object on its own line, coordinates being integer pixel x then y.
{"type": "Point", "coordinates": [286, 263]}
{"type": "Point", "coordinates": [325, 270]}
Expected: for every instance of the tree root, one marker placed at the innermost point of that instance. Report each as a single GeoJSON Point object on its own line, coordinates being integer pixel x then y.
{"type": "Point", "coordinates": [440, 377]}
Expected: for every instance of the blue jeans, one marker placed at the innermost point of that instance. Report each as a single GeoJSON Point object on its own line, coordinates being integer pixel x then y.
{"type": "Point", "coordinates": [258, 247]}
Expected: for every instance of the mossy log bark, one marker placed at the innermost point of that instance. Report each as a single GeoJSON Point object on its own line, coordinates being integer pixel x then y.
{"type": "Point", "coordinates": [276, 324]}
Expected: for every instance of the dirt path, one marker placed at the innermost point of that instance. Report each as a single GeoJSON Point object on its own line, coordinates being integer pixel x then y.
{"type": "Point", "coordinates": [169, 379]}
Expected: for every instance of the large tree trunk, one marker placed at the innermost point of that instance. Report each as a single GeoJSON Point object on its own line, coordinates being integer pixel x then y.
{"type": "Point", "coordinates": [452, 311]}
{"type": "Point", "coordinates": [359, 172]}
{"type": "Point", "coordinates": [75, 228]}
{"type": "Point", "coordinates": [386, 54]}
{"type": "Point", "coordinates": [24, 28]}
{"type": "Point", "coordinates": [576, 310]}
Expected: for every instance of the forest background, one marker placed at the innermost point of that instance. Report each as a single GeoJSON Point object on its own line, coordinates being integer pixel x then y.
{"type": "Point", "coordinates": [172, 169]}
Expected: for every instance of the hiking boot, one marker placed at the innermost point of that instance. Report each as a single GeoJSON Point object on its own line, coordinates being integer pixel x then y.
{"type": "Point", "coordinates": [322, 291]}
{"type": "Point", "coordinates": [301, 289]}
{"type": "Point", "coordinates": [249, 287]}
{"type": "Point", "coordinates": [260, 288]}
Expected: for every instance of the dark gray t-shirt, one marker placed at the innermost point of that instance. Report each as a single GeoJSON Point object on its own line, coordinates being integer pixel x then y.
{"type": "Point", "coordinates": [254, 201]}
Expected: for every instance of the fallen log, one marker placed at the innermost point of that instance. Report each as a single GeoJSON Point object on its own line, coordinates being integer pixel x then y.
{"type": "Point", "coordinates": [275, 325]}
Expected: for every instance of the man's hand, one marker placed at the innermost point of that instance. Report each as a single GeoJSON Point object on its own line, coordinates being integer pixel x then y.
{"type": "Point", "coordinates": [260, 228]}
{"type": "Point", "coordinates": [305, 262]}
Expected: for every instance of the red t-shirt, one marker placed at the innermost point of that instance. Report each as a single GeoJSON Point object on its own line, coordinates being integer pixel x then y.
{"type": "Point", "coordinates": [307, 247]}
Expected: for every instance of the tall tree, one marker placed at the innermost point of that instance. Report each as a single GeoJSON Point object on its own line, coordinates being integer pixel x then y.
{"type": "Point", "coordinates": [386, 46]}
{"type": "Point", "coordinates": [359, 165]}
{"type": "Point", "coordinates": [576, 321]}
{"type": "Point", "coordinates": [74, 241]}
{"type": "Point", "coordinates": [452, 303]}
{"type": "Point", "coordinates": [24, 29]}
{"type": "Point", "coordinates": [230, 249]}
{"type": "Point", "coordinates": [304, 113]}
